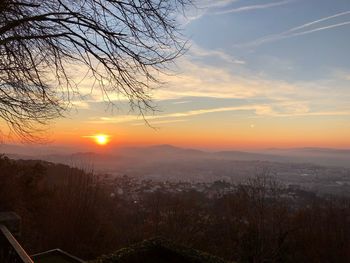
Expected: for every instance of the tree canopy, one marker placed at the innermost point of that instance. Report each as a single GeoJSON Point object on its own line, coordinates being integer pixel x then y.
{"type": "Point", "coordinates": [121, 43]}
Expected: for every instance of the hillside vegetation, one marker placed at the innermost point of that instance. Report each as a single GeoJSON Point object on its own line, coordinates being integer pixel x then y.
{"type": "Point", "coordinates": [89, 215]}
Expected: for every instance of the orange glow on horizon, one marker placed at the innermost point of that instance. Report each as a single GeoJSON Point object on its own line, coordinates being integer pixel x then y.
{"type": "Point", "coordinates": [279, 133]}
{"type": "Point", "coordinates": [239, 141]}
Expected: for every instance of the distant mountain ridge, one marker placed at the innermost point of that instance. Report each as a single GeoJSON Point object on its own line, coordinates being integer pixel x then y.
{"type": "Point", "coordinates": [326, 171]}
{"type": "Point", "coordinates": [166, 152]}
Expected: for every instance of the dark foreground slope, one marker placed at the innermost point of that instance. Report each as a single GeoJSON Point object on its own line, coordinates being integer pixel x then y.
{"type": "Point", "coordinates": [158, 250]}
{"type": "Point", "coordinates": [87, 216]}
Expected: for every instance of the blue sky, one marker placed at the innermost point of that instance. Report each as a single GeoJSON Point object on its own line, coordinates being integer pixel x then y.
{"type": "Point", "coordinates": [253, 68]}
{"type": "Point", "coordinates": [256, 36]}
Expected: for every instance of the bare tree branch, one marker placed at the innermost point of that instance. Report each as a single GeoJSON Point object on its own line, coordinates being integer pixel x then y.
{"type": "Point", "coordinates": [122, 43]}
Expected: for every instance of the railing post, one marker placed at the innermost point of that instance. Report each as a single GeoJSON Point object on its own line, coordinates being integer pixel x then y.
{"type": "Point", "coordinates": [10, 250]}
{"type": "Point", "coordinates": [12, 221]}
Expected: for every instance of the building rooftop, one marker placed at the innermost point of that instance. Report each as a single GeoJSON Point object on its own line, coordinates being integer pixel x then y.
{"type": "Point", "coordinates": [55, 256]}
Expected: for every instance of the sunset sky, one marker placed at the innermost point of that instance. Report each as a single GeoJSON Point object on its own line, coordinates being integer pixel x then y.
{"type": "Point", "coordinates": [258, 74]}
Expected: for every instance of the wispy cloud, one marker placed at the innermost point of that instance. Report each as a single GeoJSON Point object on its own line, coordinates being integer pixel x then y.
{"type": "Point", "coordinates": [197, 51]}
{"type": "Point", "coordinates": [320, 29]}
{"type": "Point", "coordinates": [153, 123]}
{"type": "Point", "coordinates": [130, 118]}
{"type": "Point", "coordinates": [275, 109]}
{"type": "Point", "coordinates": [80, 104]}
{"type": "Point", "coordinates": [316, 113]}
{"type": "Point", "coordinates": [175, 115]}
{"type": "Point", "coordinates": [220, 7]}
{"type": "Point", "coordinates": [251, 7]}
{"type": "Point", "coordinates": [201, 8]}
{"type": "Point", "coordinates": [253, 95]}
{"type": "Point", "coordinates": [303, 29]}
{"type": "Point", "coordinates": [182, 102]}
{"type": "Point", "coordinates": [319, 20]}
{"type": "Point", "coordinates": [214, 4]}
{"type": "Point", "coordinates": [198, 79]}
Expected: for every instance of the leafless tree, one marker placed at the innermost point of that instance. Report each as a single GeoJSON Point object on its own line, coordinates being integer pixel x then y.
{"type": "Point", "coordinates": [122, 43]}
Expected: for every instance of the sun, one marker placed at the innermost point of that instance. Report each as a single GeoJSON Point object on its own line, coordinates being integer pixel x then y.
{"type": "Point", "coordinates": [101, 139]}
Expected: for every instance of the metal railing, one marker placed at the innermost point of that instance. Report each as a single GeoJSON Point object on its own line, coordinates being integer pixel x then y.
{"type": "Point", "coordinates": [10, 250]}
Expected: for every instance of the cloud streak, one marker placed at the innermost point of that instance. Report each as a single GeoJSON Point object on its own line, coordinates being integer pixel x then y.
{"type": "Point", "coordinates": [254, 96]}
{"type": "Point", "coordinates": [182, 102]}
{"type": "Point", "coordinates": [130, 118]}
{"type": "Point", "coordinates": [198, 79]}
{"type": "Point", "coordinates": [202, 8]}
{"type": "Point", "coordinates": [319, 21]}
{"type": "Point", "coordinates": [267, 110]}
{"type": "Point", "coordinates": [301, 30]}
{"type": "Point", "coordinates": [251, 7]}
{"type": "Point", "coordinates": [216, 8]}
{"type": "Point", "coordinates": [198, 51]}
{"type": "Point", "coordinates": [160, 122]}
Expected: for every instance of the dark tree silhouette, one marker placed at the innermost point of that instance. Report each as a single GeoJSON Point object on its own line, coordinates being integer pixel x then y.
{"type": "Point", "coordinates": [122, 43]}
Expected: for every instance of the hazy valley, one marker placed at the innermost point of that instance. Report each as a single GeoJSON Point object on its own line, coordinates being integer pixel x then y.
{"type": "Point", "coordinates": [317, 169]}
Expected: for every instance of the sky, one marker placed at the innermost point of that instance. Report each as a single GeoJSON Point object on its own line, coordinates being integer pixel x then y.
{"type": "Point", "coordinates": [257, 74]}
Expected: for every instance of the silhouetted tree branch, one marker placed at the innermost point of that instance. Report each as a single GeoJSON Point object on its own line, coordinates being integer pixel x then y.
{"type": "Point", "coordinates": [122, 43]}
